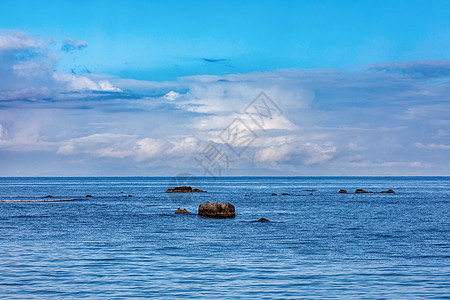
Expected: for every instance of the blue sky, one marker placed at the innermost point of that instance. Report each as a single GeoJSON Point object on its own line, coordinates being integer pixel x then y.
{"type": "Point", "coordinates": [142, 87]}
{"type": "Point", "coordinates": [162, 40]}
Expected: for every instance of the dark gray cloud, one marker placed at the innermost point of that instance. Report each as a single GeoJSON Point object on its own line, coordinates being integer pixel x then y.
{"type": "Point", "coordinates": [212, 60]}
{"type": "Point", "coordinates": [425, 68]}
{"type": "Point", "coordinates": [70, 45]}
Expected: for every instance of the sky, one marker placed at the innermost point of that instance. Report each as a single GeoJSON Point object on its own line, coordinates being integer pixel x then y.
{"type": "Point", "coordinates": [218, 88]}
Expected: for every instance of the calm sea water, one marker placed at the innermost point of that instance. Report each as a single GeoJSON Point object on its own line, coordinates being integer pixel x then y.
{"type": "Point", "coordinates": [324, 245]}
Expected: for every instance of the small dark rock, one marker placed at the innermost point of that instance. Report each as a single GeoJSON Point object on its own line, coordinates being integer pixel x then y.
{"type": "Point", "coordinates": [48, 196]}
{"type": "Point", "coordinates": [388, 191]}
{"type": "Point", "coordinates": [184, 189]}
{"type": "Point", "coordinates": [182, 211]}
{"type": "Point", "coordinates": [263, 220]}
{"type": "Point", "coordinates": [217, 210]}
{"type": "Point", "coordinates": [246, 195]}
{"type": "Point", "coordinates": [274, 194]}
{"type": "Point", "coordinates": [342, 191]}
{"type": "Point", "coordinates": [360, 191]}
{"type": "Point", "coordinates": [88, 196]}
{"type": "Point", "coordinates": [310, 193]}
{"type": "Point", "coordinates": [285, 194]}
{"type": "Point", "coordinates": [129, 196]}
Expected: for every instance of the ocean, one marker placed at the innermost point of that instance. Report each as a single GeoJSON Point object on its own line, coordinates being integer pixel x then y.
{"type": "Point", "coordinates": [318, 244]}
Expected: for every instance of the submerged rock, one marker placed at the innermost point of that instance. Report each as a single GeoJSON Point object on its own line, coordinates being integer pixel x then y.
{"type": "Point", "coordinates": [342, 191]}
{"type": "Point", "coordinates": [129, 196]}
{"type": "Point", "coordinates": [388, 191]}
{"type": "Point", "coordinates": [182, 211]}
{"type": "Point", "coordinates": [217, 210]}
{"type": "Point", "coordinates": [184, 189]}
{"type": "Point", "coordinates": [263, 220]}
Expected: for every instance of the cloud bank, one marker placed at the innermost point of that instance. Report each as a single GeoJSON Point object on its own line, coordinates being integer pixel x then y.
{"type": "Point", "coordinates": [382, 119]}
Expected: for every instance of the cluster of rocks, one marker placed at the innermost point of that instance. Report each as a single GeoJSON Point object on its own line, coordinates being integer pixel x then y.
{"type": "Point", "coordinates": [216, 210]}
{"type": "Point", "coordinates": [361, 191]}
{"type": "Point", "coordinates": [209, 209]}
{"type": "Point", "coordinates": [184, 189]}
{"type": "Point", "coordinates": [212, 210]}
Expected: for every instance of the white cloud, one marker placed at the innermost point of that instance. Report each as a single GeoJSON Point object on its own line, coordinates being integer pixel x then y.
{"type": "Point", "coordinates": [3, 132]}
{"type": "Point", "coordinates": [121, 146]}
{"type": "Point", "coordinates": [149, 148]}
{"type": "Point", "coordinates": [80, 83]}
{"type": "Point", "coordinates": [307, 154]}
{"type": "Point", "coordinates": [16, 40]}
{"type": "Point", "coordinates": [99, 145]}
{"type": "Point", "coordinates": [275, 154]}
{"type": "Point", "coordinates": [432, 146]}
{"type": "Point", "coordinates": [171, 96]}
{"type": "Point", "coordinates": [105, 85]}
{"type": "Point", "coordinates": [27, 70]}
{"type": "Point", "coordinates": [76, 82]}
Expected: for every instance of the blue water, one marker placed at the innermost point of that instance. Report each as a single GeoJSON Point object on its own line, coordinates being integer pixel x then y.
{"type": "Point", "coordinates": [324, 245]}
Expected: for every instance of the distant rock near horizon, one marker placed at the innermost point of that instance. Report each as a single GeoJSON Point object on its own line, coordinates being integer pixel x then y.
{"type": "Point", "coordinates": [388, 192]}
{"type": "Point", "coordinates": [263, 220]}
{"type": "Point", "coordinates": [217, 210]}
{"type": "Point", "coordinates": [360, 191]}
{"type": "Point", "coordinates": [184, 189]}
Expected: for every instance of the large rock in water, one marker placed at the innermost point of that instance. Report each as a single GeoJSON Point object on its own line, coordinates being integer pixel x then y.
{"type": "Point", "coordinates": [184, 189]}
{"type": "Point", "coordinates": [217, 210]}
